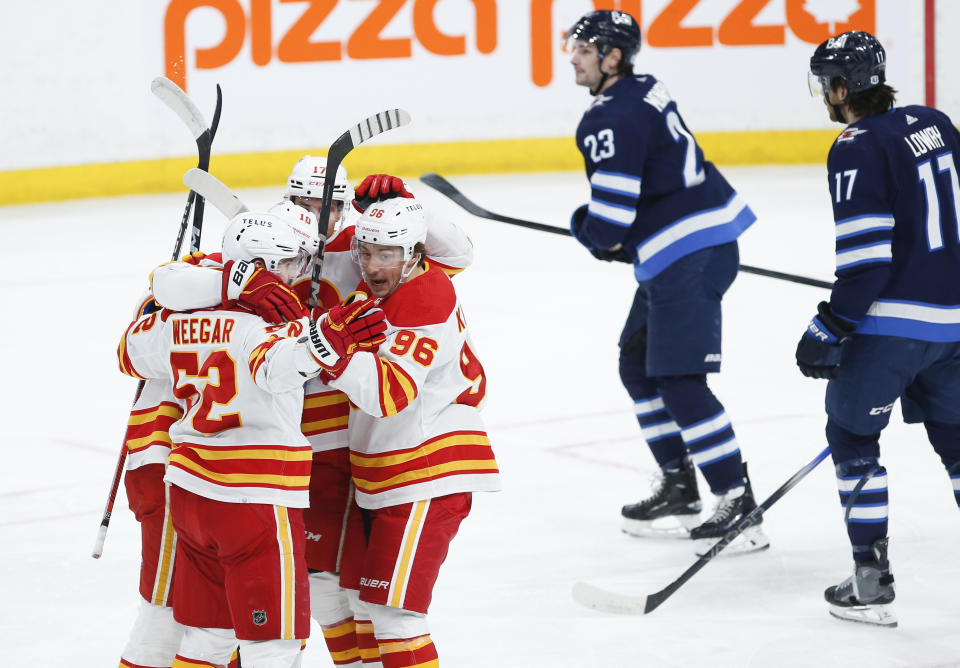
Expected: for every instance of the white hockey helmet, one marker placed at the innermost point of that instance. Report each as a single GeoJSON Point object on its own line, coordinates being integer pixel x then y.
{"type": "Point", "coordinates": [303, 222]}
{"type": "Point", "coordinates": [395, 222]}
{"type": "Point", "coordinates": [263, 236]}
{"type": "Point", "coordinates": [306, 180]}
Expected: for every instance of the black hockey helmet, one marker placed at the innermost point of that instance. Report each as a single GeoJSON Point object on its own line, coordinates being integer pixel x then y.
{"type": "Point", "coordinates": [607, 29]}
{"type": "Point", "coordinates": [856, 56]}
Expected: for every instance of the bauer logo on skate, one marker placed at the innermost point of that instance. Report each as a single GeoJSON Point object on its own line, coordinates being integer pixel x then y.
{"type": "Point", "coordinates": [315, 34]}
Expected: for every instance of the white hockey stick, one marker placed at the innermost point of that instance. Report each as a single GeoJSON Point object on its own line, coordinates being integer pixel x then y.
{"type": "Point", "coordinates": [214, 191]}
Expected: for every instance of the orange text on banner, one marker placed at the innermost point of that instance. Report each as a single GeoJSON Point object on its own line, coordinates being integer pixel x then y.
{"type": "Point", "coordinates": [295, 46]}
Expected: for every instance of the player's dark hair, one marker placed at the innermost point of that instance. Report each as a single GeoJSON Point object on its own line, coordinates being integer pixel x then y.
{"type": "Point", "coordinates": [625, 68]}
{"type": "Point", "coordinates": [877, 100]}
{"type": "Point", "coordinates": [420, 248]}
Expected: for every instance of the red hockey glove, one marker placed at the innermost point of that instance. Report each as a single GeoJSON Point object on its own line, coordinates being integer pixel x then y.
{"type": "Point", "coordinates": [376, 188]}
{"type": "Point", "coordinates": [343, 331]}
{"type": "Point", "coordinates": [261, 291]}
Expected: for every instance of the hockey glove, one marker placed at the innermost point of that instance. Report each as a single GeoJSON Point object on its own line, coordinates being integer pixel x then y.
{"type": "Point", "coordinates": [820, 347]}
{"type": "Point", "coordinates": [576, 224]}
{"type": "Point", "coordinates": [344, 330]}
{"type": "Point", "coordinates": [193, 258]}
{"type": "Point", "coordinates": [261, 291]}
{"type": "Point", "coordinates": [377, 188]}
{"type": "Point", "coordinates": [615, 254]}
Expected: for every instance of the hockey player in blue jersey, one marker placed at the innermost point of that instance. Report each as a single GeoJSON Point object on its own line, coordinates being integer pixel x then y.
{"type": "Point", "coordinates": [891, 329]}
{"type": "Point", "coordinates": [656, 203]}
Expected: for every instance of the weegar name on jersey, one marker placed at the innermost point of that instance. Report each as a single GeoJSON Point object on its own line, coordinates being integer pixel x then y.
{"type": "Point", "coordinates": [191, 331]}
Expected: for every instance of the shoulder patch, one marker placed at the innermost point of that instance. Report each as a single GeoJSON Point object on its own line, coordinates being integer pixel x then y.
{"type": "Point", "coordinates": [428, 299]}
{"type": "Point", "coordinates": [850, 134]}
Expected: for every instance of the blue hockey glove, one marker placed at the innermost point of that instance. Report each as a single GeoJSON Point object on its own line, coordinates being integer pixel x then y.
{"type": "Point", "coordinates": [820, 347]}
{"type": "Point", "coordinates": [613, 255]}
{"type": "Point", "coordinates": [576, 226]}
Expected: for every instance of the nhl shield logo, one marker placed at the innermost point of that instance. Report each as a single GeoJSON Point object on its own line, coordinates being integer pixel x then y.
{"type": "Point", "coordinates": [259, 617]}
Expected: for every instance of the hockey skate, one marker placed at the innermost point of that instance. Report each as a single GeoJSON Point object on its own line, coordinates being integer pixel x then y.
{"type": "Point", "coordinates": [732, 506]}
{"type": "Point", "coordinates": [671, 511]}
{"type": "Point", "coordinates": [866, 595]}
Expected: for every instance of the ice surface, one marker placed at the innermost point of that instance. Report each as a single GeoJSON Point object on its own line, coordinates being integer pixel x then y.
{"type": "Point", "coordinates": [545, 317]}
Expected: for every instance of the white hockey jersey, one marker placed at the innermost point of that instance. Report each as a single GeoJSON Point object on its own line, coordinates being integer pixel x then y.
{"type": "Point", "coordinates": [180, 286]}
{"type": "Point", "coordinates": [415, 431]}
{"type": "Point", "coordinates": [147, 439]}
{"type": "Point", "coordinates": [234, 379]}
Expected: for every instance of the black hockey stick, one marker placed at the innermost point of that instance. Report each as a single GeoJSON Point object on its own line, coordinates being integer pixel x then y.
{"type": "Point", "coordinates": [359, 133]}
{"type": "Point", "coordinates": [444, 187]}
{"type": "Point", "coordinates": [624, 604]}
{"type": "Point", "coordinates": [174, 97]}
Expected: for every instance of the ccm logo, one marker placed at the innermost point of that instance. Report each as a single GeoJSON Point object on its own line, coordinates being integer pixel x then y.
{"type": "Point", "coordinates": [255, 18]}
{"type": "Point", "coordinates": [880, 410]}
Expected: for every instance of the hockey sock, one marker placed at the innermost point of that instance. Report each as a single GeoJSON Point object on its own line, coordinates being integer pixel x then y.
{"type": "Point", "coordinates": [945, 439]}
{"type": "Point", "coordinates": [659, 429]}
{"type": "Point", "coordinates": [705, 429]}
{"type": "Point", "coordinates": [330, 607]}
{"type": "Point", "coordinates": [862, 484]}
{"type": "Point", "coordinates": [367, 644]}
{"type": "Point", "coordinates": [407, 652]}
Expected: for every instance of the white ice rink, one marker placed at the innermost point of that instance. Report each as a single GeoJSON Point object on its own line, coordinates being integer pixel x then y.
{"type": "Point", "coordinates": [545, 317]}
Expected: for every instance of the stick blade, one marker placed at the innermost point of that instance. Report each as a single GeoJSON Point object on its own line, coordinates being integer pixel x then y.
{"type": "Point", "coordinates": [173, 96]}
{"type": "Point", "coordinates": [378, 124]}
{"type": "Point", "coordinates": [604, 600]}
{"type": "Point", "coordinates": [214, 191]}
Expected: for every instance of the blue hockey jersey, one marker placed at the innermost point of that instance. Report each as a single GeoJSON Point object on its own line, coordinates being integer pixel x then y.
{"type": "Point", "coordinates": [650, 188]}
{"type": "Point", "coordinates": [896, 202]}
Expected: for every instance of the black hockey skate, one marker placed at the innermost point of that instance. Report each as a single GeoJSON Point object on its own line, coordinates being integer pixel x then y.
{"type": "Point", "coordinates": [866, 595]}
{"type": "Point", "coordinates": [672, 510]}
{"type": "Point", "coordinates": [732, 506]}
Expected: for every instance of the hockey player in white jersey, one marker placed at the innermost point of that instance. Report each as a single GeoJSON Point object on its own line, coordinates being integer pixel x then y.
{"type": "Point", "coordinates": [418, 447]}
{"type": "Point", "coordinates": [347, 630]}
{"type": "Point", "coordinates": [239, 471]}
{"type": "Point", "coordinates": [155, 636]}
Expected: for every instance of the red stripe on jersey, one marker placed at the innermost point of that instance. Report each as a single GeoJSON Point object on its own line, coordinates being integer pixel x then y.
{"type": "Point", "coordinates": [270, 466]}
{"type": "Point", "coordinates": [454, 453]}
{"type": "Point", "coordinates": [324, 412]}
{"type": "Point", "coordinates": [150, 426]}
{"type": "Point", "coordinates": [259, 356]}
{"type": "Point", "coordinates": [397, 388]}
{"type": "Point", "coordinates": [126, 366]}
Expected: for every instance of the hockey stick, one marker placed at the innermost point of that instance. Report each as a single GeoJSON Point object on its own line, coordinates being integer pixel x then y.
{"type": "Point", "coordinates": [349, 140]}
{"type": "Point", "coordinates": [624, 604]}
{"type": "Point", "coordinates": [208, 186]}
{"type": "Point", "coordinates": [171, 95]}
{"type": "Point", "coordinates": [444, 187]}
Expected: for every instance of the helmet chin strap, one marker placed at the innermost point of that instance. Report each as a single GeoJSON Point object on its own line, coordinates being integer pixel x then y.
{"type": "Point", "coordinates": [838, 111]}
{"type": "Point", "coordinates": [603, 80]}
{"type": "Point", "coordinates": [603, 75]}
